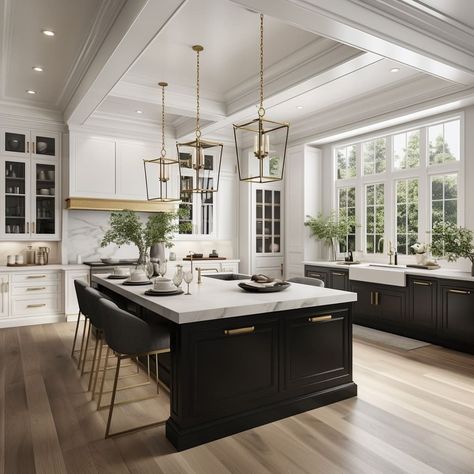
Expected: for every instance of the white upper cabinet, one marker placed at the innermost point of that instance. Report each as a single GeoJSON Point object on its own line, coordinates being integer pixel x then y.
{"type": "Point", "coordinates": [92, 167]}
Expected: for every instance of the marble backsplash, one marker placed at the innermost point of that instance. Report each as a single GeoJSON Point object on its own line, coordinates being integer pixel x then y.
{"type": "Point", "coordinates": [85, 229]}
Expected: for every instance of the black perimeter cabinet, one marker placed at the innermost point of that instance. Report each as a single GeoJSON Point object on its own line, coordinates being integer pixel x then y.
{"type": "Point", "coordinates": [436, 310]}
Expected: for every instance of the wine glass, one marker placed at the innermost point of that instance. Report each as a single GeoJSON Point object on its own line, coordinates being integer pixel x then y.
{"type": "Point", "coordinates": [162, 267]}
{"type": "Point", "coordinates": [178, 276]}
{"type": "Point", "coordinates": [149, 269]}
{"type": "Point", "coordinates": [188, 278]}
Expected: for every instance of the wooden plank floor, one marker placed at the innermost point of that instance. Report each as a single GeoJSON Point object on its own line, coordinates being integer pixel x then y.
{"type": "Point", "coordinates": [414, 413]}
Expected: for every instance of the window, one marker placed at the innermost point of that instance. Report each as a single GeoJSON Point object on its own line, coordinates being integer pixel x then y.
{"type": "Point", "coordinates": [444, 142]}
{"type": "Point", "coordinates": [373, 155]}
{"type": "Point", "coordinates": [444, 199]}
{"type": "Point", "coordinates": [346, 162]}
{"type": "Point", "coordinates": [346, 208]}
{"type": "Point", "coordinates": [404, 183]}
{"type": "Point", "coordinates": [406, 150]}
{"type": "Point", "coordinates": [407, 215]}
{"type": "Point", "coordinates": [375, 217]}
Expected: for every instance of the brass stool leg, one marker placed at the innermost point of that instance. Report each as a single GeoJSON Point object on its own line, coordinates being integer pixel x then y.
{"type": "Point", "coordinates": [103, 378]}
{"type": "Point", "coordinates": [82, 342]}
{"type": "Point", "coordinates": [96, 345]}
{"type": "Point", "coordinates": [86, 348]}
{"type": "Point", "coordinates": [97, 370]}
{"type": "Point", "coordinates": [157, 377]}
{"type": "Point", "coordinates": [75, 333]}
{"type": "Point", "coordinates": [112, 400]}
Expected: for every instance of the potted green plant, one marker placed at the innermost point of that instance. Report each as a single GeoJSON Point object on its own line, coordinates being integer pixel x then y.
{"type": "Point", "coordinates": [331, 229]}
{"type": "Point", "coordinates": [127, 228]}
{"type": "Point", "coordinates": [453, 242]}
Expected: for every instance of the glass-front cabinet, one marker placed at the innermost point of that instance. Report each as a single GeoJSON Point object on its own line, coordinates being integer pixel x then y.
{"type": "Point", "coordinates": [268, 221]}
{"type": "Point", "coordinates": [31, 143]}
{"type": "Point", "coordinates": [28, 199]}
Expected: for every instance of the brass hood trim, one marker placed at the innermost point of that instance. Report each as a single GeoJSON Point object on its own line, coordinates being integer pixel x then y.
{"type": "Point", "coordinates": [93, 204]}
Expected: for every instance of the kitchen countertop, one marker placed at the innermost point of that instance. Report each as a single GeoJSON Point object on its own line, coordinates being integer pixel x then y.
{"type": "Point", "coordinates": [43, 268]}
{"type": "Point", "coordinates": [444, 273]}
{"type": "Point", "coordinates": [218, 299]}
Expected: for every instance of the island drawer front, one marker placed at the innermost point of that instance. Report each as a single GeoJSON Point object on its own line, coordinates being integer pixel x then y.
{"type": "Point", "coordinates": [317, 349]}
{"type": "Point", "coordinates": [245, 370]}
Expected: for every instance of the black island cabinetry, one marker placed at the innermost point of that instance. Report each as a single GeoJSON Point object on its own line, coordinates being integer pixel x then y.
{"type": "Point", "coordinates": [436, 310]}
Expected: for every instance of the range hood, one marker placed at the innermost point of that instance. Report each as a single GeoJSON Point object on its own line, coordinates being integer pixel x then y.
{"type": "Point", "coordinates": [93, 204]}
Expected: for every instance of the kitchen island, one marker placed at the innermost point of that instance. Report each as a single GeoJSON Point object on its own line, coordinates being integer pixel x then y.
{"type": "Point", "coordinates": [239, 360]}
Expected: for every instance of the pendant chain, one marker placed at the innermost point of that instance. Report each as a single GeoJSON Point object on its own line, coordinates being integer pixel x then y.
{"type": "Point", "coordinates": [198, 131]}
{"type": "Point", "coordinates": [261, 61]}
{"type": "Point", "coordinates": [163, 150]}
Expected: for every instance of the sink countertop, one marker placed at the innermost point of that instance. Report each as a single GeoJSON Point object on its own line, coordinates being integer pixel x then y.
{"type": "Point", "coordinates": [445, 273]}
{"type": "Point", "coordinates": [218, 299]}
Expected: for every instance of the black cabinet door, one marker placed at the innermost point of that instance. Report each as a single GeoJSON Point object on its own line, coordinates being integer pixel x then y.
{"type": "Point", "coordinates": [391, 304]}
{"type": "Point", "coordinates": [317, 349]}
{"type": "Point", "coordinates": [364, 308]}
{"type": "Point", "coordinates": [422, 308]}
{"type": "Point", "coordinates": [245, 371]}
{"type": "Point", "coordinates": [457, 313]}
{"type": "Point", "coordinates": [319, 273]}
{"type": "Point", "coordinates": [339, 280]}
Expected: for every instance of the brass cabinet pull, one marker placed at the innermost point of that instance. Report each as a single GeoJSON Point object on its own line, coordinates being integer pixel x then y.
{"type": "Point", "coordinates": [27, 147]}
{"type": "Point", "coordinates": [314, 275]}
{"type": "Point", "coordinates": [36, 276]}
{"type": "Point", "coordinates": [27, 227]}
{"type": "Point", "coordinates": [316, 319]}
{"type": "Point", "coordinates": [32, 227]}
{"type": "Point", "coordinates": [371, 297]}
{"type": "Point", "coordinates": [339, 274]}
{"type": "Point", "coordinates": [460, 292]}
{"type": "Point", "coordinates": [37, 288]}
{"type": "Point", "coordinates": [33, 145]}
{"type": "Point", "coordinates": [235, 332]}
{"type": "Point", "coordinates": [36, 305]}
{"type": "Point", "coordinates": [422, 283]}
{"type": "Point", "coordinates": [376, 298]}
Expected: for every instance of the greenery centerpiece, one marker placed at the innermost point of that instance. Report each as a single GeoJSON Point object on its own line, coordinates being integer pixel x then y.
{"type": "Point", "coordinates": [331, 229]}
{"type": "Point", "coordinates": [453, 242]}
{"type": "Point", "coordinates": [126, 227]}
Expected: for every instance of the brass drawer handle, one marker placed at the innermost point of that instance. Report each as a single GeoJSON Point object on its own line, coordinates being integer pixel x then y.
{"type": "Point", "coordinates": [422, 283]}
{"type": "Point", "coordinates": [36, 305]}
{"type": "Point", "coordinates": [314, 275]}
{"type": "Point", "coordinates": [235, 332]}
{"type": "Point", "coordinates": [376, 298]}
{"type": "Point", "coordinates": [317, 319]}
{"type": "Point", "coordinates": [460, 292]}
{"type": "Point", "coordinates": [36, 288]}
{"type": "Point", "coordinates": [36, 276]}
{"type": "Point", "coordinates": [339, 274]}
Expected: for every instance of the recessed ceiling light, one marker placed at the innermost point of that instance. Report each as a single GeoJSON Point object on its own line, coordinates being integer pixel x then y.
{"type": "Point", "coordinates": [395, 69]}
{"type": "Point", "coordinates": [29, 91]}
{"type": "Point", "coordinates": [48, 32]}
{"type": "Point", "coordinates": [299, 107]}
{"type": "Point", "coordinates": [37, 68]}
{"type": "Point", "coordinates": [139, 111]}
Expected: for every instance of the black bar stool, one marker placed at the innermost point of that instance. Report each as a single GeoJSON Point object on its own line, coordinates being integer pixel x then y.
{"type": "Point", "coordinates": [130, 337]}
{"type": "Point", "coordinates": [80, 287]}
{"type": "Point", "coordinates": [307, 281]}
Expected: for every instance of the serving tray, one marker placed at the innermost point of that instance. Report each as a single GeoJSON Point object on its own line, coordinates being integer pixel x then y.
{"type": "Point", "coordinates": [265, 289]}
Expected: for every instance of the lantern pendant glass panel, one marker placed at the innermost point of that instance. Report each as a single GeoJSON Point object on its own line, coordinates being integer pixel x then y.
{"type": "Point", "coordinates": [261, 149]}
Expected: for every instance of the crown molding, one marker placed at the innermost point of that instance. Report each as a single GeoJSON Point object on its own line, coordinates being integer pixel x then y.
{"type": "Point", "coordinates": [30, 116]}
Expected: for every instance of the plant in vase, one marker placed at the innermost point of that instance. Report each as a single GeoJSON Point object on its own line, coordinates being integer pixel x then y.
{"type": "Point", "coordinates": [421, 252]}
{"type": "Point", "coordinates": [453, 242]}
{"type": "Point", "coordinates": [331, 229]}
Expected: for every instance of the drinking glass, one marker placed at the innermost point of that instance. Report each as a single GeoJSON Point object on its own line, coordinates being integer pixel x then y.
{"type": "Point", "coordinates": [162, 267]}
{"type": "Point", "coordinates": [178, 276]}
{"type": "Point", "coordinates": [188, 278]}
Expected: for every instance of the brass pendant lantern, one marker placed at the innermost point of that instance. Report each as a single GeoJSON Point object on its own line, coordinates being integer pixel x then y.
{"type": "Point", "coordinates": [261, 144]}
{"type": "Point", "coordinates": [202, 157]}
{"type": "Point", "coordinates": [158, 171]}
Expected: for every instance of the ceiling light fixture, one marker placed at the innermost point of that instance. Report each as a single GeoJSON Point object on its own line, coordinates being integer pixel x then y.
{"type": "Point", "coordinates": [256, 161]}
{"type": "Point", "coordinates": [30, 91]}
{"type": "Point", "coordinates": [48, 32]}
{"type": "Point", "coordinates": [202, 156]}
{"type": "Point", "coordinates": [299, 107]}
{"type": "Point", "coordinates": [37, 68]}
{"type": "Point", "coordinates": [395, 69]}
{"type": "Point", "coordinates": [139, 111]}
{"type": "Point", "coordinates": [157, 190]}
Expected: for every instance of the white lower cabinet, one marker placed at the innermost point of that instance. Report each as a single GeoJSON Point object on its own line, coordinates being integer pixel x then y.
{"type": "Point", "coordinates": [71, 306]}
{"type": "Point", "coordinates": [4, 292]}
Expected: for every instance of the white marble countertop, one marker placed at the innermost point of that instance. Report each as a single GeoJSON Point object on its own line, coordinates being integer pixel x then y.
{"type": "Point", "coordinates": [446, 273]}
{"type": "Point", "coordinates": [218, 299]}
{"type": "Point", "coordinates": [43, 268]}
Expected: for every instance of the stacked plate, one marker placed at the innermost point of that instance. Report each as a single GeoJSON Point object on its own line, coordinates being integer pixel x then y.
{"type": "Point", "coordinates": [153, 292]}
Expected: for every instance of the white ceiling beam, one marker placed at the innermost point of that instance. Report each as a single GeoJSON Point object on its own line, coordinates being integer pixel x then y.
{"type": "Point", "coordinates": [136, 26]}
{"type": "Point", "coordinates": [324, 76]}
{"type": "Point", "coordinates": [365, 28]}
{"type": "Point", "coordinates": [177, 103]}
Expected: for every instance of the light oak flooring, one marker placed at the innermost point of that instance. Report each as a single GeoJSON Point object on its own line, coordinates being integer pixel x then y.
{"type": "Point", "coordinates": [414, 413]}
